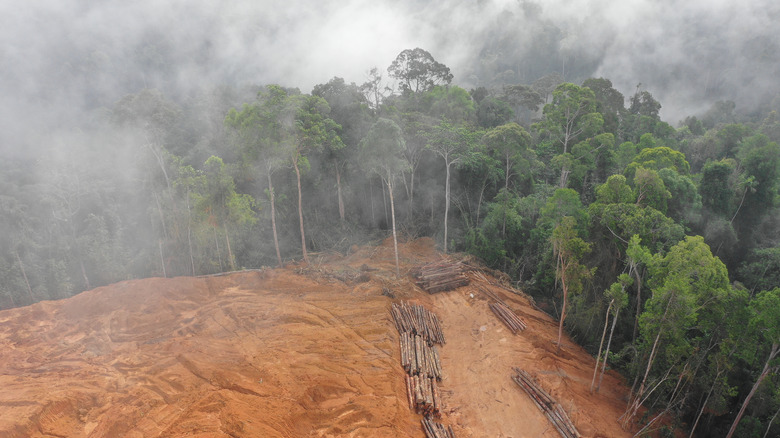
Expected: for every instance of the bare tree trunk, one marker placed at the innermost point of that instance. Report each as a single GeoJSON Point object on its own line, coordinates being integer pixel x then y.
{"type": "Point", "coordinates": [740, 206]}
{"type": "Point", "coordinates": [446, 205]}
{"type": "Point", "coordinates": [162, 216]}
{"type": "Point", "coordinates": [606, 353]}
{"type": "Point", "coordinates": [769, 426]}
{"type": "Point", "coordinates": [189, 232]}
{"type": "Point", "coordinates": [411, 194]}
{"type": "Point", "coordinates": [601, 344]}
{"type": "Point", "coordinates": [231, 260]}
{"type": "Point", "coordinates": [371, 195]}
{"type": "Point", "coordinates": [395, 238]}
{"type": "Point", "coordinates": [216, 243]}
{"type": "Point", "coordinates": [764, 373]}
{"type": "Point", "coordinates": [384, 203]}
{"type": "Point", "coordinates": [24, 275]}
{"type": "Point", "coordinates": [563, 307]}
{"type": "Point", "coordinates": [300, 211]}
{"type": "Point", "coordinates": [340, 198]}
{"type": "Point", "coordinates": [635, 268]}
{"type": "Point", "coordinates": [87, 286]}
{"type": "Point", "coordinates": [273, 220]}
{"type": "Point", "coordinates": [162, 259]}
{"type": "Point", "coordinates": [637, 400]}
{"type": "Point", "coordinates": [704, 405]}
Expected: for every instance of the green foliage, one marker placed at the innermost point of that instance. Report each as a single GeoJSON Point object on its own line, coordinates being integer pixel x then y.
{"type": "Point", "coordinates": [657, 158]}
{"type": "Point", "coordinates": [570, 117]}
{"type": "Point", "coordinates": [762, 269]}
{"type": "Point", "coordinates": [615, 191]}
{"type": "Point", "coordinates": [492, 112]}
{"type": "Point", "coordinates": [382, 148]}
{"type": "Point", "coordinates": [715, 188]}
{"type": "Point", "coordinates": [417, 71]}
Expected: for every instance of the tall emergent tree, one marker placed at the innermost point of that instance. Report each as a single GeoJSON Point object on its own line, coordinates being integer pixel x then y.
{"type": "Point", "coordinates": [452, 143]}
{"type": "Point", "coordinates": [569, 250]}
{"type": "Point", "coordinates": [418, 71]}
{"type": "Point", "coordinates": [306, 119]}
{"type": "Point", "coordinates": [381, 153]}
{"type": "Point", "coordinates": [261, 140]}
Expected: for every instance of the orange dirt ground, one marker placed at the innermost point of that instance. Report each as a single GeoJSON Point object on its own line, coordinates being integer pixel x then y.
{"type": "Point", "coordinates": [304, 351]}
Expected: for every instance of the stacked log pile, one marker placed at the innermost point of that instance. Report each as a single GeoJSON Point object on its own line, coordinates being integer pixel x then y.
{"type": "Point", "coordinates": [424, 396]}
{"type": "Point", "coordinates": [418, 357]}
{"type": "Point", "coordinates": [440, 276]}
{"type": "Point", "coordinates": [503, 312]}
{"type": "Point", "coordinates": [436, 430]}
{"type": "Point", "coordinates": [546, 404]}
{"type": "Point", "coordinates": [416, 319]}
{"type": "Point", "coordinates": [509, 318]}
{"type": "Point", "coordinates": [419, 331]}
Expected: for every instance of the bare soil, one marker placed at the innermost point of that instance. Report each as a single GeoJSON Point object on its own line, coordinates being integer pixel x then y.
{"type": "Point", "coordinates": [303, 351]}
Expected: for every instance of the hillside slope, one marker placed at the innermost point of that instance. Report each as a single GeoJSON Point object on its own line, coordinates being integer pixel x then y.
{"type": "Point", "coordinates": [294, 352]}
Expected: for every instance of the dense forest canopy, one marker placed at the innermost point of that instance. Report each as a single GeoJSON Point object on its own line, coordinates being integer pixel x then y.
{"type": "Point", "coordinates": [645, 217]}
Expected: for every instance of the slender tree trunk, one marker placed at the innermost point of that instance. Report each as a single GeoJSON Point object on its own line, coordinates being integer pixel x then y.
{"type": "Point", "coordinates": [273, 219]}
{"type": "Point", "coordinates": [606, 353]}
{"type": "Point", "coordinates": [635, 268]}
{"type": "Point", "coordinates": [371, 189]}
{"type": "Point", "coordinates": [384, 204]}
{"type": "Point", "coordinates": [395, 237]}
{"type": "Point", "coordinates": [216, 243]}
{"type": "Point", "coordinates": [764, 373]}
{"type": "Point", "coordinates": [162, 216]}
{"type": "Point", "coordinates": [87, 286]}
{"type": "Point", "coordinates": [446, 204]}
{"type": "Point", "coordinates": [340, 198]}
{"type": "Point", "coordinates": [704, 405]}
{"type": "Point", "coordinates": [563, 307]}
{"type": "Point", "coordinates": [231, 261]}
{"type": "Point", "coordinates": [162, 259]}
{"type": "Point", "coordinates": [24, 275]}
{"type": "Point", "coordinates": [300, 210]}
{"type": "Point", "coordinates": [772, 420]}
{"type": "Point", "coordinates": [189, 232]}
{"type": "Point", "coordinates": [740, 205]}
{"type": "Point", "coordinates": [601, 344]}
{"type": "Point", "coordinates": [637, 399]}
{"type": "Point", "coordinates": [507, 174]}
{"type": "Point", "coordinates": [411, 193]}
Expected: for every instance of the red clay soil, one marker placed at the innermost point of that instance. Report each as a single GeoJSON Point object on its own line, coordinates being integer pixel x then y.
{"type": "Point", "coordinates": [304, 351]}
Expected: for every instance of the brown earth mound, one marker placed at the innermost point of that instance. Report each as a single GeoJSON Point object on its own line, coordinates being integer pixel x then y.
{"type": "Point", "coordinates": [295, 352]}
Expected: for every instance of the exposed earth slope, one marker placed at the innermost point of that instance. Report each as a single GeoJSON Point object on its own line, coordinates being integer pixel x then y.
{"type": "Point", "coordinates": [295, 352]}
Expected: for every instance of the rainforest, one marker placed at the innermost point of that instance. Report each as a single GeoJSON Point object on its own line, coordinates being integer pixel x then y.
{"type": "Point", "coordinates": [650, 231]}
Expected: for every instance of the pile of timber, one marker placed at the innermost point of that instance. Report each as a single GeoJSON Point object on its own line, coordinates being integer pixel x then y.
{"type": "Point", "coordinates": [440, 276]}
{"type": "Point", "coordinates": [416, 319]}
{"type": "Point", "coordinates": [423, 395]}
{"type": "Point", "coordinates": [546, 404]}
{"type": "Point", "coordinates": [418, 357]}
{"type": "Point", "coordinates": [436, 430]}
{"type": "Point", "coordinates": [419, 330]}
{"type": "Point", "coordinates": [492, 295]}
{"type": "Point", "coordinates": [508, 317]}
